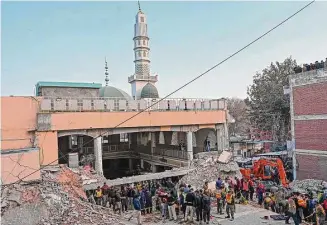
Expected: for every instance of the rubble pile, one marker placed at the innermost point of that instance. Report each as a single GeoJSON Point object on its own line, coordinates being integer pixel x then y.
{"type": "Point", "coordinates": [303, 186]}
{"type": "Point", "coordinates": [207, 168]}
{"type": "Point", "coordinates": [62, 196]}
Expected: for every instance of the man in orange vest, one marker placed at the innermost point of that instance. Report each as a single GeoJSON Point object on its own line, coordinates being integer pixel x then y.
{"type": "Point", "coordinates": [230, 207]}
{"type": "Point", "coordinates": [219, 198]}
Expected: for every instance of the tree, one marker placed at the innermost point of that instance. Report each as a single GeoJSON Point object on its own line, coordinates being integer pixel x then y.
{"type": "Point", "coordinates": [269, 108]}
{"type": "Point", "coordinates": [238, 110]}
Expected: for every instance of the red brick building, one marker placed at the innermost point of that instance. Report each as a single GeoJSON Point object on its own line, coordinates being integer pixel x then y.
{"type": "Point", "coordinates": [308, 94]}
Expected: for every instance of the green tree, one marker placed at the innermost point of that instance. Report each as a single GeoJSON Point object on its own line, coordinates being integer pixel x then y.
{"type": "Point", "coordinates": [238, 110]}
{"type": "Point", "coordinates": [269, 108]}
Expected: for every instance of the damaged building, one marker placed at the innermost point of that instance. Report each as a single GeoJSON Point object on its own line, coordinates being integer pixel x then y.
{"type": "Point", "coordinates": [90, 123]}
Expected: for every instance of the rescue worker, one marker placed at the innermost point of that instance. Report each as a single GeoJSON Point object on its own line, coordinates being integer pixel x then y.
{"type": "Point", "coordinates": [98, 196]}
{"type": "Point", "coordinates": [320, 214]}
{"type": "Point", "coordinates": [230, 207]}
{"type": "Point", "coordinates": [267, 201]}
{"type": "Point", "coordinates": [260, 191]}
{"type": "Point", "coordinates": [251, 189]}
{"type": "Point", "coordinates": [206, 203]}
{"type": "Point", "coordinates": [220, 200]}
{"type": "Point", "coordinates": [105, 189]}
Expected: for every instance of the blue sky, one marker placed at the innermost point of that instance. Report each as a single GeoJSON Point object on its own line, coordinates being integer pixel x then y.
{"type": "Point", "coordinates": [67, 41]}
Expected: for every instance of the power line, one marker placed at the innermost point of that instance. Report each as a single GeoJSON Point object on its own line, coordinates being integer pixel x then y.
{"type": "Point", "coordinates": [194, 79]}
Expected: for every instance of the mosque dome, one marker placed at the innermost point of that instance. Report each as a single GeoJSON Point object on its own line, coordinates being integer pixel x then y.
{"type": "Point", "coordinates": [112, 92]}
{"type": "Point", "coordinates": [149, 91]}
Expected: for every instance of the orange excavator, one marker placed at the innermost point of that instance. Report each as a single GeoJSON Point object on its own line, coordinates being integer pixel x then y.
{"type": "Point", "coordinates": [262, 168]}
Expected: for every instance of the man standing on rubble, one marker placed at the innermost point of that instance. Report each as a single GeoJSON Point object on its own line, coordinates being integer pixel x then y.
{"type": "Point", "coordinates": [137, 209]}
{"type": "Point", "coordinates": [189, 202]}
{"type": "Point", "coordinates": [206, 202]}
{"type": "Point", "coordinates": [230, 207]}
{"type": "Point", "coordinates": [198, 205]}
{"type": "Point", "coordinates": [98, 195]}
{"type": "Point", "coordinates": [130, 195]}
{"type": "Point", "coordinates": [105, 189]}
{"type": "Point", "coordinates": [111, 194]}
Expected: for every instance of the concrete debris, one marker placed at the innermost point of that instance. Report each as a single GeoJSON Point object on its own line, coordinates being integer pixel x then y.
{"type": "Point", "coordinates": [303, 186]}
{"type": "Point", "coordinates": [225, 157]}
{"type": "Point", "coordinates": [207, 168]}
{"type": "Point", "coordinates": [58, 199]}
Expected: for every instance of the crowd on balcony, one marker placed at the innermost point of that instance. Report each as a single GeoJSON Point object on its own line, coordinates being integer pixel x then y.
{"type": "Point", "coordinates": [312, 66]}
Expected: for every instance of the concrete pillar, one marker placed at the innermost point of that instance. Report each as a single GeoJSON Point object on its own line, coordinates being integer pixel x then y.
{"type": "Point", "coordinates": [142, 164]}
{"type": "Point", "coordinates": [154, 168]}
{"type": "Point", "coordinates": [130, 164]}
{"type": "Point", "coordinates": [129, 140]}
{"type": "Point", "coordinates": [189, 145]}
{"type": "Point", "coordinates": [219, 140]}
{"type": "Point", "coordinates": [226, 136]}
{"type": "Point", "coordinates": [98, 155]}
{"type": "Point", "coordinates": [153, 142]}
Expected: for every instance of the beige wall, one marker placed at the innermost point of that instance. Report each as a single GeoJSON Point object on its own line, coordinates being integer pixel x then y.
{"type": "Point", "coordinates": [19, 165]}
{"type": "Point", "coordinates": [18, 120]}
{"type": "Point", "coordinates": [89, 120]}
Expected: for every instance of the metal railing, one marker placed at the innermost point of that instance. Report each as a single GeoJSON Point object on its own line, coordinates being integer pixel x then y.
{"type": "Point", "coordinates": [74, 104]}
{"type": "Point", "coordinates": [140, 77]}
{"type": "Point", "coordinates": [171, 153]}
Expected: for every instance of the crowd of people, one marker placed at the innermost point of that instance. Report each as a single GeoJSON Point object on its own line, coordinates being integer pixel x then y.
{"type": "Point", "coordinates": [183, 201]}
{"type": "Point", "coordinates": [312, 66]}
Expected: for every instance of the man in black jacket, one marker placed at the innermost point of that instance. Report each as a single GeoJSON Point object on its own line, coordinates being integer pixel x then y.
{"type": "Point", "coordinates": [189, 202]}
{"type": "Point", "coordinates": [206, 202]}
{"type": "Point", "coordinates": [198, 205]}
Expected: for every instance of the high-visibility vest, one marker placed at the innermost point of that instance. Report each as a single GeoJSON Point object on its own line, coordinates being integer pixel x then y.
{"type": "Point", "coordinates": [229, 198]}
{"type": "Point", "coordinates": [218, 195]}
{"type": "Point", "coordinates": [302, 203]}
{"type": "Point", "coordinates": [98, 193]}
{"type": "Point", "coordinates": [267, 199]}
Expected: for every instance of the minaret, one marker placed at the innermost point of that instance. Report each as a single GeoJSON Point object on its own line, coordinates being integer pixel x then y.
{"type": "Point", "coordinates": [106, 71]}
{"type": "Point", "coordinates": [141, 55]}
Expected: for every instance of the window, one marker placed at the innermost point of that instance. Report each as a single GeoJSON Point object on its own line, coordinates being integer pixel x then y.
{"type": "Point", "coordinates": [123, 138]}
{"type": "Point", "coordinates": [239, 152]}
{"type": "Point", "coordinates": [144, 54]}
{"type": "Point", "coordinates": [142, 19]}
{"type": "Point", "coordinates": [144, 43]}
{"type": "Point", "coordinates": [74, 140]}
{"type": "Point", "coordinates": [140, 54]}
{"type": "Point", "coordinates": [139, 42]}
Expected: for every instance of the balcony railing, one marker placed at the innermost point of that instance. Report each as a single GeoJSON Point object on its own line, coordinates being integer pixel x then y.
{"type": "Point", "coordinates": [71, 104]}
{"type": "Point", "coordinates": [171, 153]}
{"type": "Point", "coordinates": [140, 77]}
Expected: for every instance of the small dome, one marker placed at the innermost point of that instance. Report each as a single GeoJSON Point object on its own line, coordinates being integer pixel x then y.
{"type": "Point", "coordinates": [112, 92]}
{"type": "Point", "coordinates": [149, 91]}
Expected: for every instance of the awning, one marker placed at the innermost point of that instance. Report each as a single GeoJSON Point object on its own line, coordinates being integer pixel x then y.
{"type": "Point", "coordinates": [139, 178]}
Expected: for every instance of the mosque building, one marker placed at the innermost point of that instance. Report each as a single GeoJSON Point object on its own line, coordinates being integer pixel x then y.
{"type": "Point", "coordinates": [122, 132]}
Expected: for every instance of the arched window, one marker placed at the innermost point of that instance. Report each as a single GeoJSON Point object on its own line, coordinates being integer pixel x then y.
{"type": "Point", "coordinates": [139, 42]}
{"type": "Point", "coordinates": [144, 54]}
{"type": "Point", "coordinates": [140, 54]}
{"type": "Point", "coordinates": [144, 43]}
